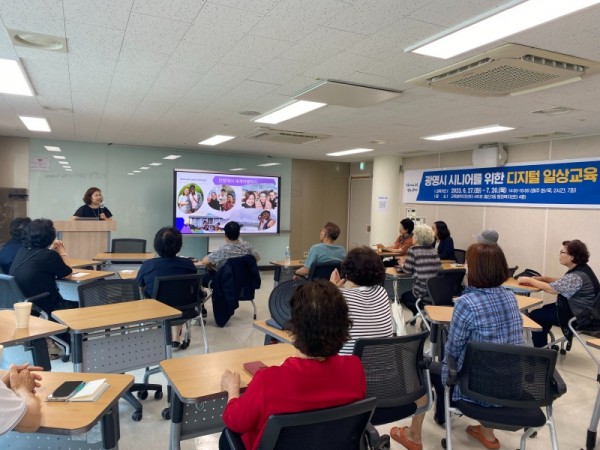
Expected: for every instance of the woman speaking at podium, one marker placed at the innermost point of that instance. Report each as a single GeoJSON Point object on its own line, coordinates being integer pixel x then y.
{"type": "Point", "coordinates": [93, 207]}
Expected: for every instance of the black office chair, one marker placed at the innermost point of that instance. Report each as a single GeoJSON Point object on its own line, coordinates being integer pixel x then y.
{"type": "Point", "coordinates": [128, 245]}
{"type": "Point", "coordinates": [323, 270]}
{"type": "Point", "coordinates": [10, 293]}
{"type": "Point", "coordinates": [105, 292]}
{"type": "Point", "coordinates": [341, 427]}
{"type": "Point", "coordinates": [519, 380]}
{"type": "Point", "coordinates": [459, 256]}
{"type": "Point", "coordinates": [397, 375]}
{"type": "Point", "coordinates": [279, 301]}
{"type": "Point", "coordinates": [512, 270]}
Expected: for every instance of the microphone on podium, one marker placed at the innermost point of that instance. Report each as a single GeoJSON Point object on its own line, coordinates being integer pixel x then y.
{"type": "Point", "coordinates": [100, 210]}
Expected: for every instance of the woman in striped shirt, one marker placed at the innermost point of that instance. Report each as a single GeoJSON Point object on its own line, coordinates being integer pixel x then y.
{"type": "Point", "coordinates": [360, 280]}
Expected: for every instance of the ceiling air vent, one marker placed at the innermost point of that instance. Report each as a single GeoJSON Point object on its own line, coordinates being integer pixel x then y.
{"type": "Point", "coordinates": [286, 137]}
{"type": "Point", "coordinates": [509, 69]}
{"type": "Point", "coordinates": [545, 136]}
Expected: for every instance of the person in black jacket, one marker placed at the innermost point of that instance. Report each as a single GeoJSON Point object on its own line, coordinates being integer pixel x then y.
{"type": "Point", "coordinates": [443, 241]}
{"type": "Point", "coordinates": [12, 246]}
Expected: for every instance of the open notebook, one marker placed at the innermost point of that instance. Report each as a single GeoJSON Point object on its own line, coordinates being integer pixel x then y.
{"type": "Point", "coordinates": [90, 392]}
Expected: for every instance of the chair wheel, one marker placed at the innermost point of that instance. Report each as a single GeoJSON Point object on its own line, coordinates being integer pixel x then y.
{"type": "Point", "coordinates": [444, 443]}
{"type": "Point", "coordinates": [142, 395]}
{"type": "Point", "coordinates": [136, 416]}
{"type": "Point", "coordinates": [166, 414]}
{"type": "Point", "coordinates": [568, 346]}
{"type": "Point", "coordinates": [158, 395]}
{"type": "Point", "coordinates": [555, 348]}
{"type": "Point", "coordinates": [184, 345]}
{"type": "Point", "coordinates": [65, 358]}
{"type": "Point", "coordinates": [563, 351]}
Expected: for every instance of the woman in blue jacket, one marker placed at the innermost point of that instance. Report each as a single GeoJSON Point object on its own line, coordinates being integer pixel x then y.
{"type": "Point", "coordinates": [443, 242]}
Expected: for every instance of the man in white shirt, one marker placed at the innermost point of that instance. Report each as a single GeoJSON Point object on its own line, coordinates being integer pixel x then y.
{"type": "Point", "coordinates": [21, 409]}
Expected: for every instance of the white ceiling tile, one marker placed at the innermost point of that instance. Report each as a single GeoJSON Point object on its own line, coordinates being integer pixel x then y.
{"type": "Point", "coordinates": [41, 16]}
{"type": "Point", "coordinates": [255, 51]}
{"type": "Point", "coordinates": [155, 33]}
{"type": "Point", "coordinates": [176, 80]}
{"type": "Point", "coordinates": [259, 6]}
{"type": "Point", "coordinates": [446, 14]}
{"type": "Point", "coordinates": [144, 64]}
{"type": "Point", "coordinates": [91, 41]}
{"type": "Point", "coordinates": [321, 44]}
{"type": "Point", "coordinates": [195, 57]}
{"type": "Point", "coordinates": [226, 75]}
{"type": "Point", "coordinates": [370, 17]}
{"type": "Point", "coordinates": [182, 10]}
{"type": "Point", "coordinates": [278, 71]}
{"type": "Point", "coordinates": [105, 13]}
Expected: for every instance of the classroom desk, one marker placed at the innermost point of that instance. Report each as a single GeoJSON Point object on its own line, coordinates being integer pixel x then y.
{"type": "Point", "coordinates": [514, 286]}
{"type": "Point", "coordinates": [74, 418]}
{"type": "Point", "coordinates": [594, 343]}
{"type": "Point", "coordinates": [34, 336]}
{"type": "Point", "coordinates": [285, 272]}
{"type": "Point", "coordinates": [280, 335]}
{"type": "Point", "coordinates": [77, 263]}
{"type": "Point", "coordinates": [197, 400]}
{"type": "Point", "coordinates": [402, 282]}
{"type": "Point", "coordinates": [123, 257]}
{"type": "Point", "coordinates": [68, 285]}
{"type": "Point", "coordinates": [452, 265]}
{"type": "Point", "coordinates": [118, 337]}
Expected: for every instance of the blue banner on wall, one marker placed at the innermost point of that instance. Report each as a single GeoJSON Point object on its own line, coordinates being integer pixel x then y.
{"type": "Point", "coordinates": [573, 184]}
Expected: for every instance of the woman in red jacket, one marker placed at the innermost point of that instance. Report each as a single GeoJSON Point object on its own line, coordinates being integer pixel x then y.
{"type": "Point", "coordinates": [314, 379]}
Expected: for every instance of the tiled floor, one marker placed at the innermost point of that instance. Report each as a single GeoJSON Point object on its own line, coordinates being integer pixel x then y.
{"type": "Point", "coordinates": [572, 411]}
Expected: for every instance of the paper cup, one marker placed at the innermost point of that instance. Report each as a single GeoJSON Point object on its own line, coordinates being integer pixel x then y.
{"type": "Point", "coordinates": [22, 313]}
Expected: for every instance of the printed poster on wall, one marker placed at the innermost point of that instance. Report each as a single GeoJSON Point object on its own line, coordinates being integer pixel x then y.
{"type": "Point", "coordinates": [572, 184]}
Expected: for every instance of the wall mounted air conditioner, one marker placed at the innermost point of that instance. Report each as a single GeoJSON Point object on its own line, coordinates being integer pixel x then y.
{"type": "Point", "coordinates": [489, 155]}
{"type": "Point", "coordinates": [508, 69]}
{"type": "Point", "coordinates": [285, 136]}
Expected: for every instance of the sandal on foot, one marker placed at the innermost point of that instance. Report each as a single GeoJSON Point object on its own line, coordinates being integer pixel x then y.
{"type": "Point", "coordinates": [475, 432]}
{"type": "Point", "coordinates": [175, 344]}
{"type": "Point", "coordinates": [399, 435]}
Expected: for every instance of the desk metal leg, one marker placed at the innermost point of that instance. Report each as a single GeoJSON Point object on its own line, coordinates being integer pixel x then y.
{"type": "Point", "coordinates": [176, 419]}
{"type": "Point", "coordinates": [77, 352]}
{"type": "Point", "coordinates": [590, 442]}
{"type": "Point", "coordinates": [110, 429]}
{"type": "Point", "coordinates": [39, 351]}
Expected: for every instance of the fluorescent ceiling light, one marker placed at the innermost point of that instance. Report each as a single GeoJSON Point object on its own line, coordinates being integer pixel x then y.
{"type": "Point", "coordinates": [59, 157]}
{"type": "Point", "coordinates": [130, 173]}
{"type": "Point", "coordinates": [156, 164]}
{"type": "Point", "coordinates": [237, 169]}
{"type": "Point", "coordinates": [144, 168]}
{"type": "Point", "coordinates": [289, 111]}
{"type": "Point", "coordinates": [69, 170]}
{"type": "Point", "coordinates": [269, 164]}
{"type": "Point", "coordinates": [172, 157]}
{"type": "Point", "coordinates": [64, 162]}
{"type": "Point", "coordinates": [351, 152]}
{"type": "Point", "coordinates": [13, 79]}
{"type": "Point", "coordinates": [216, 140]}
{"type": "Point", "coordinates": [137, 171]}
{"type": "Point", "coordinates": [35, 123]}
{"type": "Point", "coordinates": [465, 133]}
{"type": "Point", "coordinates": [67, 167]}
{"type": "Point", "coordinates": [50, 148]}
{"type": "Point", "coordinates": [509, 19]}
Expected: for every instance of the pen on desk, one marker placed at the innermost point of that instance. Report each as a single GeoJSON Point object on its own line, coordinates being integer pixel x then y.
{"type": "Point", "coordinates": [77, 389]}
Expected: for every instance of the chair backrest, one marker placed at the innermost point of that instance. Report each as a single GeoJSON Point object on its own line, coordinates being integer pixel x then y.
{"type": "Point", "coordinates": [279, 301]}
{"type": "Point", "coordinates": [323, 270]}
{"type": "Point", "coordinates": [9, 292]}
{"type": "Point", "coordinates": [128, 245]}
{"type": "Point", "coordinates": [178, 291]}
{"type": "Point", "coordinates": [395, 371]}
{"type": "Point", "coordinates": [341, 427]}
{"type": "Point", "coordinates": [441, 291]}
{"type": "Point", "coordinates": [454, 277]}
{"type": "Point", "coordinates": [104, 292]}
{"type": "Point", "coordinates": [459, 255]}
{"type": "Point", "coordinates": [508, 375]}
{"type": "Point", "coordinates": [512, 270]}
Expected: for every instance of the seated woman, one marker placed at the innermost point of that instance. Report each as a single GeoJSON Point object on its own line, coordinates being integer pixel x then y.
{"type": "Point", "coordinates": [14, 244]}
{"type": "Point", "coordinates": [361, 279]}
{"type": "Point", "coordinates": [402, 244]}
{"type": "Point", "coordinates": [576, 289]}
{"type": "Point", "coordinates": [316, 378]}
{"type": "Point", "coordinates": [486, 312]}
{"type": "Point", "coordinates": [443, 241]}
{"type": "Point", "coordinates": [423, 262]}
{"type": "Point", "coordinates": [167, 243]}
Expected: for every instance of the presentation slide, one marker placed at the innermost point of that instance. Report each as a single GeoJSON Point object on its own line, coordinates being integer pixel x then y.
{"type": "Point", "coordinates": [205, 201]}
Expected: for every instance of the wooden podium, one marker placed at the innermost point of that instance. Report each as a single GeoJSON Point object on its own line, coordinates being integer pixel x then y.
{"type": "Point", "coordinates": [85, 238]}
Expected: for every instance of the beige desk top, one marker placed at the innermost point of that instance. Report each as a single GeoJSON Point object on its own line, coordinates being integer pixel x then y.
{"type": "Point", "coordinates": [443, 315]}
{"type": "Point", "coordinates": [594, 343]}
{"type": "Point", "coordinates": [452, 265]}
{"type": "Point", "coordinates": [514, 284]}
{"type": "Point", "coordinates": [77, 417]}
{"type": "Point", "coordinates": [38, 328]}
{"type": "Point", "coordinates": [92, 318]}
{"type": "Point", "coordinates": [282, 336]}
{"type": "Point", "coordinates": [525, 303]}
{"type": "Point", "coordinates": [124, 257]}
{"type": "Point", "coordinates": [391, 271]}
{"type": "Point", "coordinates": [90, 275]}
{"type": "Point", "coordinates": [199, 376]}
{"type": "Point", "coordinates": [293, 263]}
{"type": "Point", "coordinates": [77, 263]}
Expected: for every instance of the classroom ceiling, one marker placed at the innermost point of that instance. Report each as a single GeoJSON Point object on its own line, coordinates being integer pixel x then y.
{"type": "Point", "coordinates": [170, 73]}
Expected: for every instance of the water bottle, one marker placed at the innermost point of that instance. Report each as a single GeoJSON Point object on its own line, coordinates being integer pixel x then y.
{"type": "Point", "coordinates": [287, 256]}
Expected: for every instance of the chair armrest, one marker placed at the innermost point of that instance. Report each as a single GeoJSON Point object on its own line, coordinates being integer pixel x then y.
{"type": "Point", "coordinates": [560, 387]}
{"type": "Point", "coordinates": [452, 372]}
{"type": "Point", "coordinates": [43, 314]}
{"type": "Point", "coordinates": [425, 362]}
{"type": "Point", "coordinates": [234, 440]}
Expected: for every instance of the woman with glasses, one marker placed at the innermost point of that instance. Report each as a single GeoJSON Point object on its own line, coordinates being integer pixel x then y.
{"type": "Point", "coordinates": [576, 290]}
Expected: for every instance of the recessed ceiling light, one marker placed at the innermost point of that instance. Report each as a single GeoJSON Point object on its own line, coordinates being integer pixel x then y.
{"type": "Point", "coordinates": [379, 142]}
{"type": "Point", "coordinates": [38, 40]}
{"type": "Point", "coordinates": [156, 164]}
{"type": "Point", "coordinates": [66, 167]}
{"type": "Point", "coordinates": [13, 79]}
{"type": "Point", "coordinates": [172, 157]}
{"type": "Point", "coordinates": [467, 133]}
{"type": "Point", "coordinates": [50, 148]}
{"type": "Point", "coordinates": [63, 162]}
{"type": "Point", "coordinates": [237, 169]}
{"type": "Point", "coordinates": [137, 171]}
{"type": "Point", "coordinates": [35, 123]}
{"type": "Point", "coordinates": [144, 168]}
{"type": "Point", "coordinates": [249, 113]}
{"type": "Point", "coordinates": [351, 152]}
{"type": "Point", "coordinates": [509, 19]}
{"type": "Point", "coordinates": [130, 173]}
{"type": "Point", "coordinates": [58, 109]}
{"type": "Point", "coordinates": [289, 111]}
{"type": "Point", "coordinates": [59, 157]}
{"type": "Point", "coordinates": [269, 164]}
{"type": "Point", "coordinates": [216, 140]}
{"type": "Point", "coordinates": [69, 170]}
